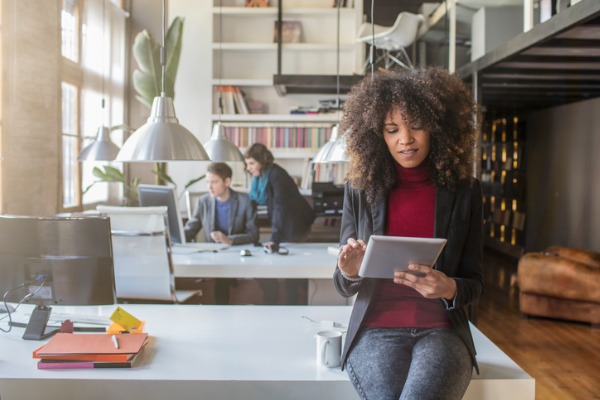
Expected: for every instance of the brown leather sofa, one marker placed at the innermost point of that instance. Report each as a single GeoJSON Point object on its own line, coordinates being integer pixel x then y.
{"type": "Point", "coordinates": [561, 282]}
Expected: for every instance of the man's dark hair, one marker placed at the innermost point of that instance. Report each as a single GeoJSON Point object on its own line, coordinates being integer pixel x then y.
{"type": "Point", "coordinates": [221, 169]}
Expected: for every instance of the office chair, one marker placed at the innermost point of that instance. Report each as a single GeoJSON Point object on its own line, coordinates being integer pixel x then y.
{"type": "Point", "coordinates": [142, 255]}
{"type": "Point", "coordinates": [191, 199]}
{"type": "Point", "coordinates": [393, 40]}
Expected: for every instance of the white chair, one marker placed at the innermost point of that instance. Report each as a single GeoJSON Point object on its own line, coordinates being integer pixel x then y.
{"type": "Point", "coordinates": [142, 255]}
{"type": "Point", "coordinates": [393, 40]}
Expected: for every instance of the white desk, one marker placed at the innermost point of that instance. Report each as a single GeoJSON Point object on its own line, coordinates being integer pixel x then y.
{"type": "Point", "coordinates": [309, 261]}
{"type": "Point", "coordinates": [225, 352]}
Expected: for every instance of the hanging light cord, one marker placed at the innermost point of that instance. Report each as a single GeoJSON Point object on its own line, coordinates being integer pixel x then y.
{"type": "Point", "coordinates": [103, 53]}
{"type": "Point", "coordinates": [337, 73]}
{"type": "Point", "coordinates": [372, 38]}
{"type": "Point", "coordinates": [219, 88]}
{"type": "Point", "coordinates": [163, 49]}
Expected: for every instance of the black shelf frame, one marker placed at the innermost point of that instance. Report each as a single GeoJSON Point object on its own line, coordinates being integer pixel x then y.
{"type": "Point", "coordinates": [307, 84]}
{"type": "Point", "coordinates": [555, 63]}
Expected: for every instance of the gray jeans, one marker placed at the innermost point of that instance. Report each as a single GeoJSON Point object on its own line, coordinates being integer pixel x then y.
{"type": "Point", "coordinates": [409, 363]}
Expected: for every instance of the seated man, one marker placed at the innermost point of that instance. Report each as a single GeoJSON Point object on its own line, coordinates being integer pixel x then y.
{"type": "Point", "coordinates": [226, 216]}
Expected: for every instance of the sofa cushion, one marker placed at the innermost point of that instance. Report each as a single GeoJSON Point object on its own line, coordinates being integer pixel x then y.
{"type": "Point", "coordinates": [589, 258]}
{"type": "Point", "coordinates": [550, 274]}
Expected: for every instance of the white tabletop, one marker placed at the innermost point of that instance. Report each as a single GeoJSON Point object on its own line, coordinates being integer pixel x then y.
{"type": "Point", "coordinates": [305, 260]}
{"type": "Point", "coordinates": [228, 352]}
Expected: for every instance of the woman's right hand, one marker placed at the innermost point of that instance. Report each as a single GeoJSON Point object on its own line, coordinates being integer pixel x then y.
{"type": "Point", "coordinates": [351, 256]}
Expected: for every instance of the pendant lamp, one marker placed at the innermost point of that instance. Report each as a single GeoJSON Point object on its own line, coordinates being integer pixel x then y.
{"type": "Point", "coordinates": [338, 150]}
{"type": "Point", "coordinates": [101, 149]}
{"type": "Point", "coordinates": [162, 138]}
{"type": "Point", "coordinates": [219, 147]}
{"type": "Point", "coordinates": [334, 150]}
{"type": "Point", "coordinates": [322, 155]}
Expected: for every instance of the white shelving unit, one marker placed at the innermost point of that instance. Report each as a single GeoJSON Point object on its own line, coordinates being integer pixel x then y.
{"type": "Point", "coordinates": [227, 44]}
{"type": "Point", "coordinates": [244, 53]}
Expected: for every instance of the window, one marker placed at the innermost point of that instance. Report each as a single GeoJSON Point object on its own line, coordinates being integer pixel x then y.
{"type": "Point", "coordinates": [93, 49]}
{"type": "Point", "coordinates": [70, 145]}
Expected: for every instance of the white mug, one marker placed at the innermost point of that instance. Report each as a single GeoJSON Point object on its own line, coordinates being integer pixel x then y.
{"type": "Point", "coordinates": [329, 348]}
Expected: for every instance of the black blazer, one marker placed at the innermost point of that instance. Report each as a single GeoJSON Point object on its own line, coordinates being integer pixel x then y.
{"type": "Point", "coordinates": [291, 215]}
{"type": "Point", "coordinates": [458, 218]}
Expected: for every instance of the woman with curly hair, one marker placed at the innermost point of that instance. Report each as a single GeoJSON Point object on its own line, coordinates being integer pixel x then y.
{"type": "Point", "coordinates": [411, 144]}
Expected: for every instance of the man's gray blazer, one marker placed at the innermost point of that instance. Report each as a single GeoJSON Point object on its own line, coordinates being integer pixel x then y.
{"type": "Point", "coordinates": [242, 219]}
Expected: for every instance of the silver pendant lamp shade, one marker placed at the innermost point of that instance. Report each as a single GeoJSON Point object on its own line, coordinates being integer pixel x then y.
{"type": "Point", "coordinates": [101, 149]}
{"type": "Point", "coordinates": [220, 148]}
{"type": "Point", "coordinates": [162, 139]}
{"type": "Point", "coordinates": [338, 150]}
{"type": "Point", "coordinates": [322, 155]}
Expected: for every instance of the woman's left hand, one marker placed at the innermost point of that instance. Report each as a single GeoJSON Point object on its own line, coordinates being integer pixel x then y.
{"type": "Point", "coordinates": [429, 282]}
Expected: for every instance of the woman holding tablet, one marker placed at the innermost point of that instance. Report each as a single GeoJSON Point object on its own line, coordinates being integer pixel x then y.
{"type": "Point", "coordinates": [411, 149]}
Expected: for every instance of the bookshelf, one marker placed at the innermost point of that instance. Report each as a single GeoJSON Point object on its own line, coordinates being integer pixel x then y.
{"type": "Point", "coordinates": [244, 56]}
{"type": "Point", "coordinates": [503, 183]}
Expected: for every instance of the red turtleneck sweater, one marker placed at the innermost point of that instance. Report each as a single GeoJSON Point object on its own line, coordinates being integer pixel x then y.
{"type": "Point", "coordinates": [410, 212]}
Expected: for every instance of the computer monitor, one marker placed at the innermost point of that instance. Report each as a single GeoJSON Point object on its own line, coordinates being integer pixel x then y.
{"type": "Point", "coordinates": [55, 261]}
{"type": "Point", "coordinates": [159, 195]}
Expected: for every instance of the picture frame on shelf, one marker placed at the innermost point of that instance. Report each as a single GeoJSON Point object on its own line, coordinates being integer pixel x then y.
{"type": "Point", "coordinates": [291, 31]}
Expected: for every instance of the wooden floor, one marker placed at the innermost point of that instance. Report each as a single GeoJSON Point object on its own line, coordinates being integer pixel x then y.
{"type": "Point", "coordinates": [563, 357]}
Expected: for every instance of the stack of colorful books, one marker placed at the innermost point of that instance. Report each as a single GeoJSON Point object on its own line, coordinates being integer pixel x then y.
{"type": "Point", "coordinates": [82, 350]}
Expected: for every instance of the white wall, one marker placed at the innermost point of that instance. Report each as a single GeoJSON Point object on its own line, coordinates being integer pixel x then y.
{"type": "Point", "coordinates": [563, 184]}
{"type": "Point", "coordinates": [193, 89]}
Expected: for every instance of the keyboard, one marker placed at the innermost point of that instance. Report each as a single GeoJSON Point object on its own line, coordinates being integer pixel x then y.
{"type": "Point", "coordinates": [200, 246]}
{"type": "Point", "coordinates": [81, 318]}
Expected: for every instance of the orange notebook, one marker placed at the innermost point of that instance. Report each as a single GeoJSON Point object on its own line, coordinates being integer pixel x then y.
{"type": "Point", "coordinates": [91, 347]}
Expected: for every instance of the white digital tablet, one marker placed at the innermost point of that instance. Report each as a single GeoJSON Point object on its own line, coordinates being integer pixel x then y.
{"type": "Point", "coordinates": [388, 254]}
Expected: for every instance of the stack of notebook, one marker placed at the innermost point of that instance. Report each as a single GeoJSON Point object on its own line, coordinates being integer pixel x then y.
{"type": "Point", "coordinates": [79, 350]}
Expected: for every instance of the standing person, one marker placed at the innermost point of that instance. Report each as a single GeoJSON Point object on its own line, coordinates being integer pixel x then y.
{"type": "Point", "coordinates": [227, 217]}
{"type": "Point", "coordinates": [411, 148]}
{"type": "Point", "coordinates": [291, 215]}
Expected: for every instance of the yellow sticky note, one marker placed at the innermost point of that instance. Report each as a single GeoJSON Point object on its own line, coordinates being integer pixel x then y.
{"type": "Point", "coordinates": [126, 320]}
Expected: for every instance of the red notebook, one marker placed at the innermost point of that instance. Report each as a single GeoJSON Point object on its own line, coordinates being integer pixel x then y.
{"type": "Point", "coordinates": [91, 347]}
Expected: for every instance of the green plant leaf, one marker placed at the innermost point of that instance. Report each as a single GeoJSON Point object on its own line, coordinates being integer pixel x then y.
{"type": "Point", "coordinates": [98, 173]}
{"type": "Point", "coordinates": [113, 174]}
{"type": "Point", "coordinates": [163, 176]}
{"type": "Point", "coordinates": [146, 87]}
{"type": "Point", "coordinates": [190, 183]}
{"type": "Point", "coordinates": [173, 44]}
{"type": "Point", "coordinates": [147, 79]}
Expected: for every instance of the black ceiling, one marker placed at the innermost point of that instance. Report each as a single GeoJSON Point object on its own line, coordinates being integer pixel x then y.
{"type": "Point", "coordinates": [555, 63]}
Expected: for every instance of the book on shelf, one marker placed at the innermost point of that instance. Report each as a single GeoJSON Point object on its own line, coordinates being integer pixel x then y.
{"type": "Point", "coordinates": [231, 99]}
{"type": "Point", "coordinates": [307, 174]}
{"type": "Point", "coordinates": [306, 110]}
{"type": "Point", "coordinates": [240, 102]}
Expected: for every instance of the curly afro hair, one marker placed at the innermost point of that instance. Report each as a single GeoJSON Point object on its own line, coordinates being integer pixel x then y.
{"type": "Point", "coordinates": [433, 99]}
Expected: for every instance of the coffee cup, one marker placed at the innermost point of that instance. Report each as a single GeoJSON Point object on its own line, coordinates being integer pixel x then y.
{"type": "Point", "coordinates": [329, 348]}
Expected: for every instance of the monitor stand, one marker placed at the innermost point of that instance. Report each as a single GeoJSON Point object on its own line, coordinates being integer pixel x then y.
{"type": "Point", "coordinates": [36, 329]}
